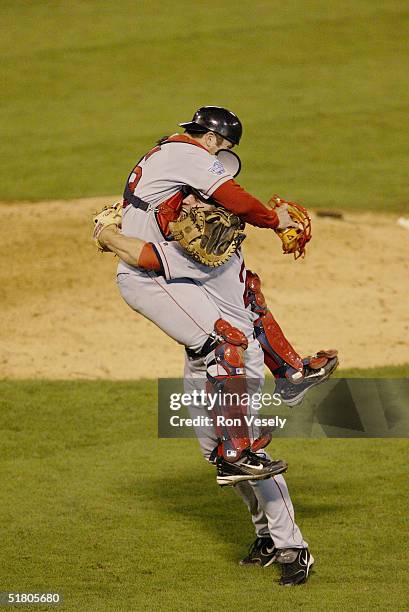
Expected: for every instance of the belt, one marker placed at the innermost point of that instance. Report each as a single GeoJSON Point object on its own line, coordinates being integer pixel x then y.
{"type": "Point", "coordinates": [134, 200]}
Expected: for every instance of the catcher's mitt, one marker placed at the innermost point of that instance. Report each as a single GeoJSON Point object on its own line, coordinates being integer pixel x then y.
{"type": "Point", "coordinates": [109, 215]}
{"type": "Point", "coordinates": [294, 239]}
{"type": "Point", "coordinates": [210, 237]}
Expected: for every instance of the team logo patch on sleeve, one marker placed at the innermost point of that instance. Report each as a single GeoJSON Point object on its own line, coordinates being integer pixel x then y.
{"type": "Point", "coordinates": [217, 167]}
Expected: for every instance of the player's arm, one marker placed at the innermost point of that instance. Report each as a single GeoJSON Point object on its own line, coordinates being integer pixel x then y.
{"type": "Point", "coordinates": [133, 251]}
{"type": "Point", "coordinates": [201, 171]}
{"type": "Point", "coordinates": [164, 257]}
{"type": "Point", "coordinates": [236, 199]}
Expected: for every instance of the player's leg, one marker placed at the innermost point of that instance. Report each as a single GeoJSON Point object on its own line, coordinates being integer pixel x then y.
{"type": "Point", "coordinates": [291, 550]}
{"type": "Point", "coordinates": [219, 370]}
{"type": "Point", "coordinates": [263, 550]}
{"type": "Point", "coordinates": [182, 311]}
{"type": "Point", "coordinates": [284, 542]}
{"type": "Point", "coordinates": [274, 498]}
{"type": "Point", "coordinates": [188, 315]}
{"type": "Point", "coordinates": [179, 308]}
{"type": "Point", "coordinates": [278, 535]}
{"type": "Point", "coordinates": [225, 373]}
{"type": "Point", "coordinates": [294, 375]}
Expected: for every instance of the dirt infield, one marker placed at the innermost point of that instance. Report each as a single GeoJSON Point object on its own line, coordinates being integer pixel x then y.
{"type": "Point", "coordinates": [62, 316]}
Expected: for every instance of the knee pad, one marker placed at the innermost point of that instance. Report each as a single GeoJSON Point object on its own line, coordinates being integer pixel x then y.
{"type": "Point", "coordinates": [224, 346]}
{"type": "Point", "coordinates": [230, 344]}
{"type": "Point", "coordinates": [279, 355]}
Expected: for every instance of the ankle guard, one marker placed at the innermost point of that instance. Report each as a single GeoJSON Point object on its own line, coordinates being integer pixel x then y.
{"type": "Point", "coordinates": [226, 375]}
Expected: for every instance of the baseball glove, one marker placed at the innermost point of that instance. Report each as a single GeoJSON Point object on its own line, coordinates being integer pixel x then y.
{"type": "Point", "coordinates": [294, 239]}
{"type": "Point", "coordinates": [109, 215]}
{"type": "Point", "coordinates": [210, 237]}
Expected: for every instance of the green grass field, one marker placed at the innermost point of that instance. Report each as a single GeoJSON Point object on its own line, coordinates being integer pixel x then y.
{"type": "Point", "coordinates": [95, 506]}
{"type": "Point", "coordinates": [320, 85]}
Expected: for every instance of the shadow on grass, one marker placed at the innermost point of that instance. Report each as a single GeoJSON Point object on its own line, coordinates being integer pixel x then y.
{"type": "Point", "coordinates": [219, 514]}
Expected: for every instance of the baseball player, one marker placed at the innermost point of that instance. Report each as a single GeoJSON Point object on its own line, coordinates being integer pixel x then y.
{"type": "Point", "coordinates": [203, 310]}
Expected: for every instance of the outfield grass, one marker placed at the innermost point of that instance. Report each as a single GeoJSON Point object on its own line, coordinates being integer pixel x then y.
{"type": "Point", "coordinates": [320, 85]}
{"type": "Point", "coordinates": [94, 505]}
{"type": "Point", "coordinates": [400, 371]}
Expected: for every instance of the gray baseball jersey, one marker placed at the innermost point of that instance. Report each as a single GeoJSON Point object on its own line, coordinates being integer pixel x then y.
{"type": "Point", "coordinates": [160, 174]}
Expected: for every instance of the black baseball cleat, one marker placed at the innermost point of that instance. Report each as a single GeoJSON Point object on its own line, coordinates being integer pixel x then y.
{"type": "Point", "coordinates": [295, 565]}
{"type": "Point", "coordinates": [250, 466]}
{"type": "Point", "coordinates": [262, 552]}
{"type": "Point", "coordinates": [292, 391]}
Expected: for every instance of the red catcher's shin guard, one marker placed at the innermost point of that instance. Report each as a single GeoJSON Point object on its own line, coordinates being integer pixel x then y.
{"type": "Point", "coordinates": [279, 356]}
{"type": "Point", "coordinates": [226, 379]}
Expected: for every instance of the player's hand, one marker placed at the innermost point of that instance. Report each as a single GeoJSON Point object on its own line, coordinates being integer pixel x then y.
{"type": "Point", "coordinates": [108, 217]}
{"type": "Point", "coordinates": [294, 228]}
{"type": "Point", "coordinates": [284, 219]}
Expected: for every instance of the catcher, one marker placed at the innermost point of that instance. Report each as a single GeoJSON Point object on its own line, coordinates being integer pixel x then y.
{"type": "Point", "coordinates": [201, 306]}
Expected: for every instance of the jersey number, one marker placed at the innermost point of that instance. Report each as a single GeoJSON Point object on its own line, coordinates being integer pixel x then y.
{"type": "Point", "coordinates": [136, 173]}
{"type": "Point", "coordinates": [134, 178]}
